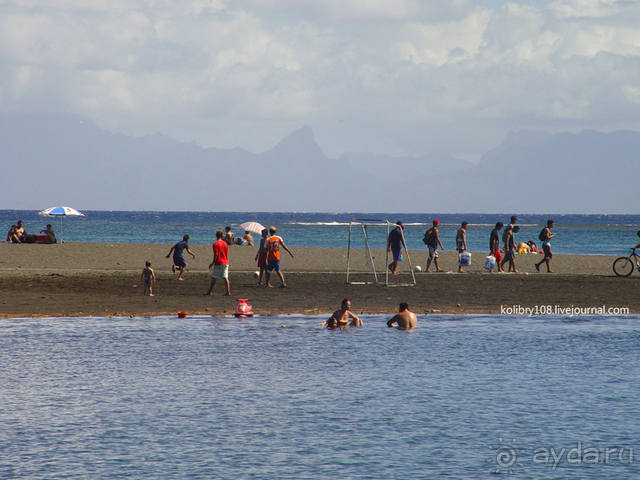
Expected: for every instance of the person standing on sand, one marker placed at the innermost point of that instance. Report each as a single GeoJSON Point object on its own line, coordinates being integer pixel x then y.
{"type": "Point", "coordinates": [494, 245]}
{"type": "Point", "coordinates": [432, 239]}
{"type": "Point", "coordinates": [178, 259]}
{"type": "Point", "coordinates": [546, 236]}
{"type": "Point", "coordinates": [273, 244]}
{"type": "Point", "coordinates": [461, 242]}
{"type": "Point", "coordinates": [405, 318]}
{"type": "Point", "coordinates": [220, 263]}
{"type": "Point", "coordinates": [343, 317]}
{"type": "Point", "coordinates": [148, 277]}
{"type": "Point", "coordinates": [261, 256]}
{"type": "Point", "coordinates": [395, 243]}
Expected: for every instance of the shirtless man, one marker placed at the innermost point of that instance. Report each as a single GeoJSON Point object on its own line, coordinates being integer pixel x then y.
{"type": "Point", "coordinates": [405, 319]}
{"type": "Point", "coordinates": [228, 236]}
{"type": "Point", "coordinates": [341, 317]}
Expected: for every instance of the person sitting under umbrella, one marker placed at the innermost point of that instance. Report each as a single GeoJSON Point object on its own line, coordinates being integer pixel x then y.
{"type": "Point", "coordinates": [246, 240]}
{"type": "Point", "coordinates": [51, 236]}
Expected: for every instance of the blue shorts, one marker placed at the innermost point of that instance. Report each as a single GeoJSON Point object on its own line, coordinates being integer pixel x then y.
{"type": "Point", "coordinates": [179, 262]}
{"type": "Point", "coordinates": [397, 254]}
{"type": "Point", "coordinates": [273, 265]}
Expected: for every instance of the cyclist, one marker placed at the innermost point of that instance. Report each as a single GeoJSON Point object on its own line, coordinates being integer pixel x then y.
{"type": "Point", "coordinates": [638, 245]}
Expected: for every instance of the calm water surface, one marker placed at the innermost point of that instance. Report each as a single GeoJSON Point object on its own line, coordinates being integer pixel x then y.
{"type": "Point", "coordinates": [460, 397]}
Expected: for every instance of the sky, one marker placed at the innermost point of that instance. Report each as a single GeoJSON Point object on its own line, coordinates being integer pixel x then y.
{"type": "Point", "coordinates": [406, 77]}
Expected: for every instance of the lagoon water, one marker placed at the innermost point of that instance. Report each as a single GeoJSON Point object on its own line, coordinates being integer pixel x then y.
{"type": "Point", "coordinates": [203, 398]}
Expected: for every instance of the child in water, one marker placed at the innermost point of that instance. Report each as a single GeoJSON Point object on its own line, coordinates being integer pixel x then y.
{"type": "Point", "coordinates": [148, 276]}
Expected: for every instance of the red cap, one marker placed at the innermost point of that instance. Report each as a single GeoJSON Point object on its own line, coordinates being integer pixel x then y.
{"type": "Point", "coordinates": [436, 221]}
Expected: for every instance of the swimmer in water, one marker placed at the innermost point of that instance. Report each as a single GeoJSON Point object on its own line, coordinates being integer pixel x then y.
{"type": "Point", "coordinates": [343, 317]}
{"type": "Point", "coordinates": [405, 319]}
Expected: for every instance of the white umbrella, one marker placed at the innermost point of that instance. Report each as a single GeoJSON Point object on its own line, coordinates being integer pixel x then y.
{"type": "Point", "coordinates": [60, 211]}
{"type": "Point", "coordinates": [253, 227]}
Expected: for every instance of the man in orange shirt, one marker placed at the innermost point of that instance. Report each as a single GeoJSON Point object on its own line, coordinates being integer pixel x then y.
{"type": "Point", "coordinates": [273, 244]}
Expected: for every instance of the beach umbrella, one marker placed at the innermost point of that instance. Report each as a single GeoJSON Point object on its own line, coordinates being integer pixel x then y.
{"type": "Point", "coordinates": [253, 227]}
{"type": "Point", "coordinates": [60, 211]}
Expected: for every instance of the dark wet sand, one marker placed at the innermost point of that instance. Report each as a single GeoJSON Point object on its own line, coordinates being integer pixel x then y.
{"type": "Point", "coordinates": [77, 279]}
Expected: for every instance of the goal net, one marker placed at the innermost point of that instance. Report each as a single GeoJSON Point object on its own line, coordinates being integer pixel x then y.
{"type": "Point", "coordinates": [362, 269]}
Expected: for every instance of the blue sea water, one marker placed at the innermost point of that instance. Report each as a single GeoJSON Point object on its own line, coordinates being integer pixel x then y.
{"type": "Point", "coordinates": [587, 234]}
{"type": "Point", "coordinates": [203, 398]}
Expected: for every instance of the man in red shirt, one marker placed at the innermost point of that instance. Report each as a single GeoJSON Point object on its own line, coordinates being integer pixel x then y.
{"type": "Point", "coordinates": [272, 245]}
{"type": "Point", "coordinates": [220, 263]}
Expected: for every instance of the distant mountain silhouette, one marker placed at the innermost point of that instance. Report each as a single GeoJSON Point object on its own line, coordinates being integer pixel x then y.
{"type": "Point", "coordinates": [63, 159]}
{"type": "Point", "coordinates": [586, 172]}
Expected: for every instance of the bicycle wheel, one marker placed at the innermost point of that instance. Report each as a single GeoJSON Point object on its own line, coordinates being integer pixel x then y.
{"type": "Point", "coordinates": [623, 266]}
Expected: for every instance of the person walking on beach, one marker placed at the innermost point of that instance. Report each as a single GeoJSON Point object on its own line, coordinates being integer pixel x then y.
{"type": "Point", "coordinates": [494, 245]}
{"type": "Point", "coordinates": [273, 244]}
{"type": "Point", "coordinates": [178, 258]}
{"type": "Point", "coordinates": [545, 237]}
{"type": "Point", "coordinates": [405, 318]}
{"type": "Point", "coordinates": [510, 248]}
{"type": "Point", "coordinates": [220, 263]}
{"type": "Point", "coordinates": [432, 240]}
{"type": "Point", "coordinates": [261, 256]}
{"type": "Point", "coordinates": [148, 277]}
{"type": "Point", "coordinates": [461, 242]}
{"type": "Point", "coordinates": [395, 243]}
{"type": "Point", "coordinates": [343, 317]}
{"type": "Point", "coordinates": [512, 222]}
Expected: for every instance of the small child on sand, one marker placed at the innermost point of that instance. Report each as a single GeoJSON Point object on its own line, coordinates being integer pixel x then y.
{"type": "Point", "coordinates": [148, 276]}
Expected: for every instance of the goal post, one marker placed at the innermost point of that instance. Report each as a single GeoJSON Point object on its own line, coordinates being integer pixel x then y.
{"type": "Point", "coordinates": [376, 277]}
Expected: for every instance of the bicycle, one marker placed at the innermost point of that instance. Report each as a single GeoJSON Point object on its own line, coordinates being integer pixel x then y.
{"type": "Point", "coordinates": [623, 266]}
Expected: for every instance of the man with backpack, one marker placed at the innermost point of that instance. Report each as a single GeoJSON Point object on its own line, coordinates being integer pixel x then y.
{"type": "Point", "coordinates": [432, 240]}
{"type": "Point", "coordinates": [545, 237]}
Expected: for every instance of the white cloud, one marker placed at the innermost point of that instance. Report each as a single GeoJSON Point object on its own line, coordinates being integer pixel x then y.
{"type": "Point", "coordinates": [398, 75]}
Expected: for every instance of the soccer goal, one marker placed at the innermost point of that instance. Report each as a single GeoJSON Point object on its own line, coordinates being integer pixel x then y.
{"type": "Point", "coordinates": [363, 271]}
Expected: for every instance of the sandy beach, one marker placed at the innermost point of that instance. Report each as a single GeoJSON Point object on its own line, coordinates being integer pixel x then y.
{"type": "Point", "coordinates": [103, 279]}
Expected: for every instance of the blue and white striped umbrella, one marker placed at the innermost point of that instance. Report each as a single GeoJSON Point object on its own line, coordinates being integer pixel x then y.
{"type": "Point", "coordinates": [60, 211]}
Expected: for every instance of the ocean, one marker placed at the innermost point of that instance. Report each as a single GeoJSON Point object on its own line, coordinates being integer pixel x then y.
{"type": "Point", "coordinates": [472, 396]}
{"type": "Point", "coordinates": [575, 234]}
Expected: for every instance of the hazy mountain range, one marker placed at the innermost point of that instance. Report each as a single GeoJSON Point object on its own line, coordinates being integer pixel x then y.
{"type": "Point", "coordinates": [62, 159]}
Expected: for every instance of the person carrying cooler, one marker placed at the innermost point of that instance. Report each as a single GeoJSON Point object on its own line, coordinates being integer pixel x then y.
{"type": "Point", "coordinates": [461, 242]}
